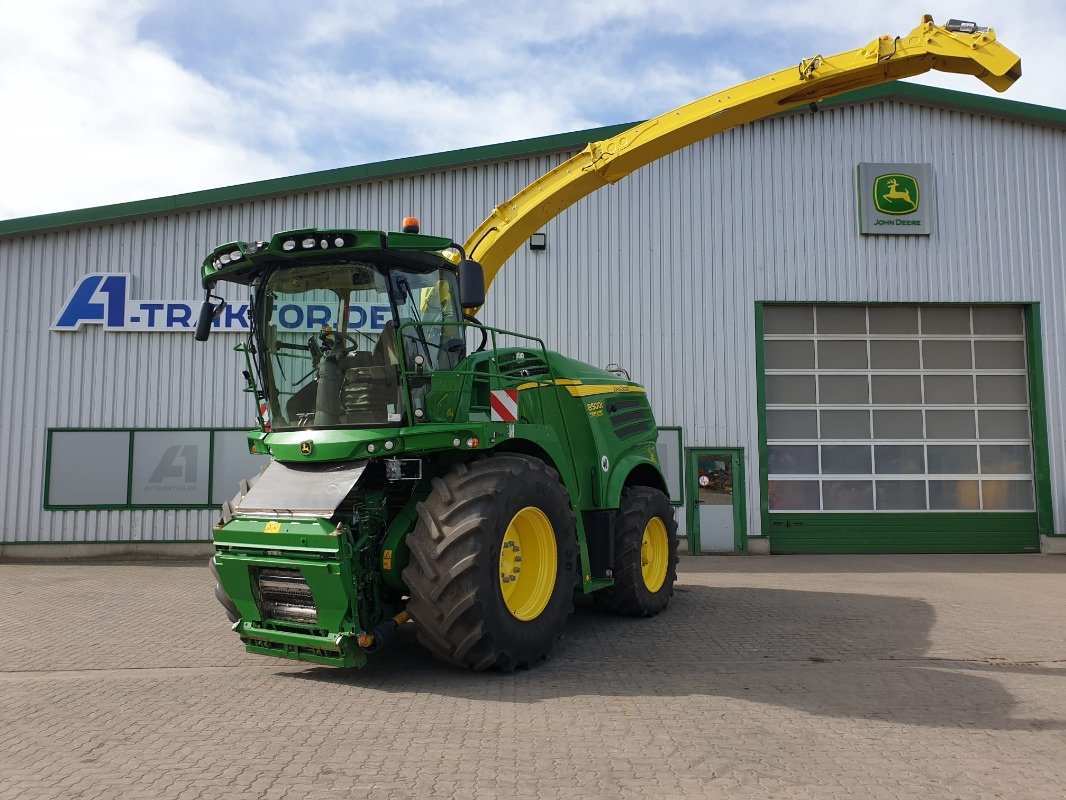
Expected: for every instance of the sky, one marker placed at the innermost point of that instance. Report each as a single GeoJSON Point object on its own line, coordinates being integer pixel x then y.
{"type": "Point", "coordinates": [107, 101]}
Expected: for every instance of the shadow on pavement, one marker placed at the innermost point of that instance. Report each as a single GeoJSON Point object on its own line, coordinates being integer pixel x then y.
{"type": "Point", "coordinates": [828, 654]}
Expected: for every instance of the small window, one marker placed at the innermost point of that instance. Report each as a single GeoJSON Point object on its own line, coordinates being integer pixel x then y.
{"type": "Point", "coordinates": [954, 495]}
{"type": "Point", "coordinates": [846, 459]}
{"type": "Point", "coordinates": [790, 389]}
{"type": "Point", "coordinates": [788, 424]}
{"type": "Point", "coordinates": [848, 495]}
{"type": "Point", "coordinates": [946, 354]}
{"type": "Point", "coordinates": [841, 319]}
{"type": "Point", "coordinates": [898, 425]}
{"type": "Point", "coordinates": [901, 496]}
{"type": "Point", "coordinates": [899, 459]}
{"type": "Point", "coordinates": [894, 354]}
{"type": "Point", "coordinates": [792, 459]}
{"type": "Point", "coordinates": [788, 355]}
{"type": "Point", "coordinates": [893, 319]}
{"type": "Point", "coordinates": [844, 354]}
{"type": "Point", "coordinates": [940, 320]}
{"type": "Point", "coordinates": [845, 424]}
{"type": "Point", "coordinates": [1003, 424]}
{"type": "Point", "coordinates": [950, 424]}
{"type": "Point", "coordinates": [999, 355]}
{"type": "Point", "coordinates": [1006, 459]}
{"type": "Point", "coordinates": [794, 496]}
{"type": "Point", "coordinates": [788, 319]}
{"type": "Point", "coordinates": [998, 320]}
{"type": "Point", "coordinates": [1007, 495]}
{"type": "Point", "coordinates": [999, 390]}
{"type": "Point", "coordinates": [897, 390]}
{"type": "Point", "coordinates": [948, 389]}
{"type": "Point", "coordinates": [843, 390]}
{"type": "Point", "coordinates": [952, 459]}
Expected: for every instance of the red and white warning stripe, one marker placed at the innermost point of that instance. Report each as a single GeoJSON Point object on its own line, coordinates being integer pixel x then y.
{"type": "Point", "coordinates": [504, 405]}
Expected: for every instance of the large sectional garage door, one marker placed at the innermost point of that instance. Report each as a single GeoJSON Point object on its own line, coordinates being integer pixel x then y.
{"type": "Point", "coordinates": [896, 428]}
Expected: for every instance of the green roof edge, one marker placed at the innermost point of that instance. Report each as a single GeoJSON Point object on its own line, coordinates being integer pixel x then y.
{"type": "Point", "coordinates": [453, 159]}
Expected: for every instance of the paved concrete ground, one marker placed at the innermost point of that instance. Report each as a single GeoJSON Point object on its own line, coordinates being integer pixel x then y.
{"type": "Point", "coordinates": [778, 677]}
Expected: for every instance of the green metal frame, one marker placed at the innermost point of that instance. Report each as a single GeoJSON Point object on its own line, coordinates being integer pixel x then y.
{"type": "Point", "coordinates": [129, 505]}
{"type": "Point", "coordinates": [680, 462]}
{"type": "Point", "coordinates": [740, 504]}
{"type": "Point", "coordinates": [965, 532]}
{"type": "Point", "coordinates": [456, 159]}
{"type": "Point", "coordinates": [1034, 350]}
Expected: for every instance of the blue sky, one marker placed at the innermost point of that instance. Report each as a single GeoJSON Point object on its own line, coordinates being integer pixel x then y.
{"type": "Point", "coordinates": [126, 99]}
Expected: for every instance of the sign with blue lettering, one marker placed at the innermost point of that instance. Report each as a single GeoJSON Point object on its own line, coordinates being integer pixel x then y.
{"type": "Point", "coordinates": [104, 299]}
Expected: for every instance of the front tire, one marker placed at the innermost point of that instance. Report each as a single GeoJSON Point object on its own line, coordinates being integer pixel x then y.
{"type": "Point", "coordinates": [492, 567]}
{"type": "Point", "coordinates": [645, 555]}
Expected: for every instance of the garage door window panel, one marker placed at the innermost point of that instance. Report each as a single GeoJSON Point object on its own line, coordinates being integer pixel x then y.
{"type": "Point", "coordinates": [898, 409]}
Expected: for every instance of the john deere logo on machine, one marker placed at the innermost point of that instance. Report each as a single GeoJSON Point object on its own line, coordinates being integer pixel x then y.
{"type": "Point", "coordinates": [896, 194]}
{"type": "Point", "coordinates": [306, 448]}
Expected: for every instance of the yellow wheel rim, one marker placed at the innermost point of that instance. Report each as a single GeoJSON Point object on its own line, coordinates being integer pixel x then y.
{"type": "Point", "coordinates": [528, 564]}
{"type": "Point", "coordinates": [654, 554]}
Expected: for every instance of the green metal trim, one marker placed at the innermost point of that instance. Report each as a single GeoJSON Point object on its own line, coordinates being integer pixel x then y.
{"type": "Point", "coordinates": [47, 466]}
{"type": "Point", "coordinates": [924, 532]}
{"type": "Point", "coordinates": [211, 469]}
{"type": "Point", "coordinates": [740, 500]}
{"type": "Point", "coordinates": [455, 159]}
{"type": "Point", "coordinates": [680, 461]}
{"type": "Point", "coordinates": [949, 98]}
{"type": "Point", "coordinates": [1045, 522]}
{"type": "Point", "coordinates": [129, 505]}
{"type": "Point", "coordinates": [760, 411]}
{"type": "Point", "coordinates": [308, 182]}
{"type": "Point", "coordinates": [129, 469]}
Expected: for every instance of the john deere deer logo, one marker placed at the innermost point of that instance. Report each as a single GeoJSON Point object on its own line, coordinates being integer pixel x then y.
{"type": "Point", "coordinates": [306, 448]}
{"type": "Point", "coordinates": [896, 194]}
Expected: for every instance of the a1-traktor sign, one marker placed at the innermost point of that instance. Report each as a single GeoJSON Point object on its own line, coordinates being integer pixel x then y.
{"type": "Point", "coordinates": [106, 300]}
{"type": "Point", "coordinates": [896, 198]}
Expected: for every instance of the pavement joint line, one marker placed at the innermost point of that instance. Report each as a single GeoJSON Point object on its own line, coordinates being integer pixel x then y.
{"type": "Point", "coordinates": [718, 666]}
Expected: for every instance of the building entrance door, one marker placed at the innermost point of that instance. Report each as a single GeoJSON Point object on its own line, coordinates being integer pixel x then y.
{"type": "Point", "coordinates": [716, 500]}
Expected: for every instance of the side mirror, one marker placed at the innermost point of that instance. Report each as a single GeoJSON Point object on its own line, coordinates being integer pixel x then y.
{"type": "Point", "coordinates": [471, 284]}
{"type": "Point", "coordinates": [208, 314]}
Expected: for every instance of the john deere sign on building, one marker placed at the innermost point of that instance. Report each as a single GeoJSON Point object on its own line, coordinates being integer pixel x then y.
{"type": "Point", "coordinates": [896, 198]}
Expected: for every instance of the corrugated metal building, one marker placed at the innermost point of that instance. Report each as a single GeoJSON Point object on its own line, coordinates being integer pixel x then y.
{"type": "Point", "coordinates": [834, 390]}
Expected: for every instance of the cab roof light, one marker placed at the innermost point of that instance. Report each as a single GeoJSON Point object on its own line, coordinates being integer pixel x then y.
{"type": "Point", "coordinates": [410, 225]}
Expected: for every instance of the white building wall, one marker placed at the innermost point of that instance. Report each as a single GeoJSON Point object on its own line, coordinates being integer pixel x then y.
{"type": "Point", "coordinates": [659, 273]}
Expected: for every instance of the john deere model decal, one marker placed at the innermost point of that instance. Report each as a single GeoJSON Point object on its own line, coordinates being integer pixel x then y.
{"type": "Point", "coordinates": [895, 194]}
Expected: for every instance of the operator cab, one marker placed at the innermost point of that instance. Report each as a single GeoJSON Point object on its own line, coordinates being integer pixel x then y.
{"type": "Point", "coordinates": [334, 316]}
{"type": "Point", "coordinates": [328, 336]}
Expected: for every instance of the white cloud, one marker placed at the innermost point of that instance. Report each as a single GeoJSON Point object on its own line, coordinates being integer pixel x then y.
{"type": "Point", "coordinates": [93, 115]}
{"type": "Point", "coordinates": [98, 112]}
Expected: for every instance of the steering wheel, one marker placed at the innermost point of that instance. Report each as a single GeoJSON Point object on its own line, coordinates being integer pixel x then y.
{"type": "Point", "coordinates": [332, 349]}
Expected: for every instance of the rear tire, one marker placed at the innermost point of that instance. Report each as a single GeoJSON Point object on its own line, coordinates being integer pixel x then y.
{"type": "Point", "coordinates": [645, 555]}
{"type": "Point", "coordinates": [493, 563]}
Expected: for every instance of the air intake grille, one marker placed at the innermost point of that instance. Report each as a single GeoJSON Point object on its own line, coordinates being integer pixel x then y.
{"type": "Point", "coordinates": [285, 595]}
{"type": "Point", "coordinates": [522, 365]}
{"type": "Point", "coordinates": [630, 417]}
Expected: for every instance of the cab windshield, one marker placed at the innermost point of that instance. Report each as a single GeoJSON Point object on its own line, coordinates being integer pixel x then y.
{"type": "Point", "coordinates": [329, 344]}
